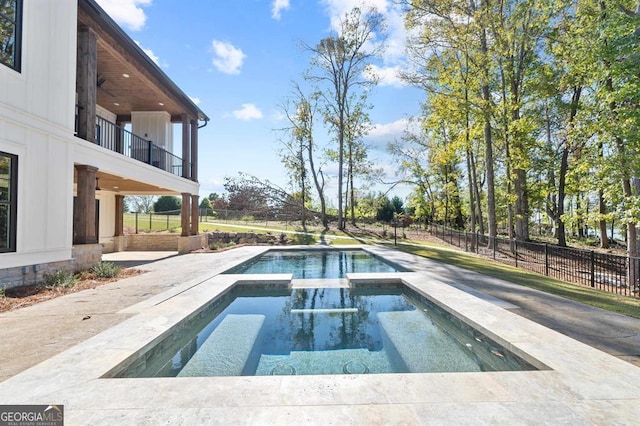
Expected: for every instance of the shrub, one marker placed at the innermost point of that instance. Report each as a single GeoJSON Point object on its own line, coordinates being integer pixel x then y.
{"type": "Point", "coordinates": [60, 278]}
{"type": "Point", "coordinates": [216, 246]}
{"type": "Point", "coordinates": [106, 270]}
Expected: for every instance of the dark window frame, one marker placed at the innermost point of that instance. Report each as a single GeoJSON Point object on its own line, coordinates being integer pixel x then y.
{"type": "Point", "coordinates": [12, 203]}
{"type": "Point", "coordinates": [17, 23]}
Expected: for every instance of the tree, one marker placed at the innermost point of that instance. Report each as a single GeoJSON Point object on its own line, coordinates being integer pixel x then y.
{"type": "Point", "coordinates": [139, 203]}
{"type": "Point", "coordinates": [298, 150]}
{"type": "Point", "coordinates": [167, 204]}
{"type": "Point", "coordinates": [206, 205]}
{"type": "Point", "coordinates": [338, 66]}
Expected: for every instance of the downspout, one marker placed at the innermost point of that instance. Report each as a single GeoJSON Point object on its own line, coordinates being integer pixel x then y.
{"type": "Point", "coordinates": [206, 121]}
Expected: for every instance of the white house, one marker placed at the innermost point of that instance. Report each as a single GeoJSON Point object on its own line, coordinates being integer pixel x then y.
{"type": "Point", "coordinates": [86, 117]}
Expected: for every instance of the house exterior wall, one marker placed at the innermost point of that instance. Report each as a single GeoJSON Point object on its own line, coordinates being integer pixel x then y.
{"type": "Point", "coordinates": [36, 124]}
{"type": "Point", "coordinates": [154, 126]}
{"type": "Point", "coordinates": [37, 120]}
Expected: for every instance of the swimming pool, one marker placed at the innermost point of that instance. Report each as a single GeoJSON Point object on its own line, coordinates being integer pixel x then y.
{"type": "Point", "coordinates": [317, 264]}
{"type": "Point", "coordinates": [253, 330]}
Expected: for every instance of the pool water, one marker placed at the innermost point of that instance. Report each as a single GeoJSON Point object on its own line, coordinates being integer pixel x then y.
{"type": "Point", "coordinates": [304, 264]}
{"type": "Point", "coordinates": [324, 331]}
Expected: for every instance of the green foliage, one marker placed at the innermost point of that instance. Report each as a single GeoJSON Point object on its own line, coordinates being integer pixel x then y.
{"type": "Point", "coordinates": [60, 278]}
{"type": "Point", "coordinates": [106, 270]}
{"type": "Point", "coordinates": [206, 204]}
{"type": "Point", "coordinates": [220, 245]}
{"type": "Point", "coordinates": [167, 204]}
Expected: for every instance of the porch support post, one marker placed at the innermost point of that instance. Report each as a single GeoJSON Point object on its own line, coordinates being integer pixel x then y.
{"type": "Point", "coordinates": [186, 156]}
{"type": "Point", "coordinates": [194, 150]}
{"type": "Point", "coordinates": [194, 214]}
{"type": "Point", "coordinates": [85, 214]}
{"type": "Point", "coordinates": [86, 80]}
{"type": "Point", "coordinates": [186, 214]}
{"type": "Point", "coordinates": [119, 228]}
{"type": "Point", "coordinates": [119, 136]}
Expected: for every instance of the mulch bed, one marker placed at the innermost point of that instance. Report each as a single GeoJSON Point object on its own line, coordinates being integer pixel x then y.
{"type": "Point", "coordinates": [20, 297]}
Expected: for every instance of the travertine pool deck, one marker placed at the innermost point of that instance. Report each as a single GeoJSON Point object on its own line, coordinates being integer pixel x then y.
{"type": "Point", "coordinates": [583, 385]}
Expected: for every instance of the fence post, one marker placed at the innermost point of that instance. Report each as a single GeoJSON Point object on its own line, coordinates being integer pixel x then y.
{"type": "Point", "coordinates": [516, 250]}
{"type": "Point", "coordinates": [465, 241]}
{"type": "Point", "coordinates": [136, 222]}
{"type": "Point", "coordinates": [167, 222]}
{"type": "Point", "coordinates": [150, 224]}
{"type": "Point", "coordinates": [593, 268]}
{"type": "Point", "coordinates": [546, 259]}
{"type": "Point", "coordinates": [477, 240]}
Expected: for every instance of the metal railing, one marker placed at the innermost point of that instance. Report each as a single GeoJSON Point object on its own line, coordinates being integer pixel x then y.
{"type": "Point", "coordinates": [117, 139]}
{"type": "Point", "coordinates": [590, 268]}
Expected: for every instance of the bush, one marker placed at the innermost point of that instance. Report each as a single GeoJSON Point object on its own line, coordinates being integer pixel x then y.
{"type": "Point", "coordinates": [59, 278]}
{"type": "Point", "coordinates": [106, 270]}
{"type": "Point", "coordinates": [216, 246]}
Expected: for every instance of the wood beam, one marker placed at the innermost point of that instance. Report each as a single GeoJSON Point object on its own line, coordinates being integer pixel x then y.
{"type": "Point", "coordinates": [119, 228]}
{"type": "Point", "coordinates": [194, 214]}
{"type": "Point", "coordinates": [186, 214]}
{"type": "Point", "coordinates": [86, 79]}
{"type": "Point", "coordinates": [194, 150]}
{"type": "Point", "coordinates": [85, 210]}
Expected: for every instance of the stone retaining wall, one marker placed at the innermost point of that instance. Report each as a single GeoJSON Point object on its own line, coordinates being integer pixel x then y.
{"type": "Point", "coordinates": [84, 257]}
{"type": "Point", "coordinates": [242, 238]}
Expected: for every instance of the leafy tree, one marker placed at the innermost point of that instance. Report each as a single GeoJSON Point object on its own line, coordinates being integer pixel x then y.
{"type": "Point", "coordinates": [298, 150]}
{"type": "Point", "coordinates": [167, 204]}
{"type": "Point", "coordinates": [338, 66]}
{"type": "Point", "coordinates": [139, 203]}
{"type": "Point", "coordinates": [206, 204]}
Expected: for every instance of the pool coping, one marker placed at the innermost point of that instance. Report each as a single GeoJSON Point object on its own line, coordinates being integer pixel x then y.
{"type": "Point", "coordinates": [584, 384]}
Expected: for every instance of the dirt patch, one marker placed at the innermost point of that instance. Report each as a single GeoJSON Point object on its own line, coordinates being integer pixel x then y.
{"type": "Point", "coordinates": [21, 297]}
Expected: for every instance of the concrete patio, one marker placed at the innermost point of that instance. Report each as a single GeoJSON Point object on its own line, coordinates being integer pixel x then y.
{"type": "Point", "coordinates": [52, 355]}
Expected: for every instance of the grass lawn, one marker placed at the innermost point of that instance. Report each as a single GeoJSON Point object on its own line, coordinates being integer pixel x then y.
{"type": "Point", "coordinates": [612, 302]}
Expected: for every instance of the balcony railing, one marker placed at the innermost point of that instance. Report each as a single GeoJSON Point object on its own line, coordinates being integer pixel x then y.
{"type": "Point", "coordinates": [117, 139]}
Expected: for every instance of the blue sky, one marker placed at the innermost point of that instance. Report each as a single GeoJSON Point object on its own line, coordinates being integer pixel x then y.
{"type": "Point", "coordinates": [237, 59]}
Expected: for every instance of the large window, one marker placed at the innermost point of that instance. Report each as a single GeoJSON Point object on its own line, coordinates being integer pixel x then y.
{"type": "Point", "coordinates": [10, 32]}
{"type": "Point", "coordinates": [8, 201]}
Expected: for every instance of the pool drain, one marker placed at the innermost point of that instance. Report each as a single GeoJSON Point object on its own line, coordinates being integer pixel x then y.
{"type": "Point", "coordinates": [283, 370]}
{"type": "Point", "coordinates": [355, 367]}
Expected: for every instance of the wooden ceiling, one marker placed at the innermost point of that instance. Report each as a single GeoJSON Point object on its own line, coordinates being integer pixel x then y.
{"type": "Point", "coordinates": [128, 80]}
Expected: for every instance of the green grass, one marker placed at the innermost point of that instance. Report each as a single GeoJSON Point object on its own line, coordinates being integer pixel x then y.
{"type": "Point", "coordinates": [612, 302]}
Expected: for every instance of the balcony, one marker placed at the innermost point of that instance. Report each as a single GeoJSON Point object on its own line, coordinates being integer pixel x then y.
{"type": "Point", "coordinates": [117, 139]}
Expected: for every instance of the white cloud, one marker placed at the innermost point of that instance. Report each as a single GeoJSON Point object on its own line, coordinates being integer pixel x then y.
{"type": "Point", "coordinates": [381, 135]}
{"type": "Point", "coordinates": [127, 13]}
{"type": "Point", "coordinates": [227, 58]}
{"type": "Point", "coordinates": [388, 76]}
{"type": "Point", "coordinates": [195, 100]}
{"type": "Point", "coordinates": [149, 53]}
{"type": "Point", "coordinates": [277, 7]}
{"type": "Point", "coordinates": [393, 129]}
{"type": "Point", "coordinates": [248, 112]}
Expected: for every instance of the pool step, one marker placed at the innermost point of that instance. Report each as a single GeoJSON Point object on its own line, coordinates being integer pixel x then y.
{"type": "Point", "coordinates": [228, 348]}
{"type": "Point", "coordinates": [325, 311]}
{"type": "Point", "coordinates": [416, 345]}
{"type": "Point", "coordinates": [344, 361]}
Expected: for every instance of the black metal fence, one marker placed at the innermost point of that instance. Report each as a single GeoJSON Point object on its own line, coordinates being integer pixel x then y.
{"type": "Point", "coordinates": [603, 271]}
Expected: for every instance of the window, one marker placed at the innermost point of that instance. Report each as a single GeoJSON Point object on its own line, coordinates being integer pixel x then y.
{"type": "Point", "coordinates": [8, 201]}
{"type": "Point", "coordinates": [10, 33]}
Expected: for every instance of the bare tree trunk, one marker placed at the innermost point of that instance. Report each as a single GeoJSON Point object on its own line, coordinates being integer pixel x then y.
{"type": "Point", "coordinates": [490, 174]}
{"type": "Point", "coordinates": [602, 209]}
{"type": "Point", "coordinates": [562, 238]}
